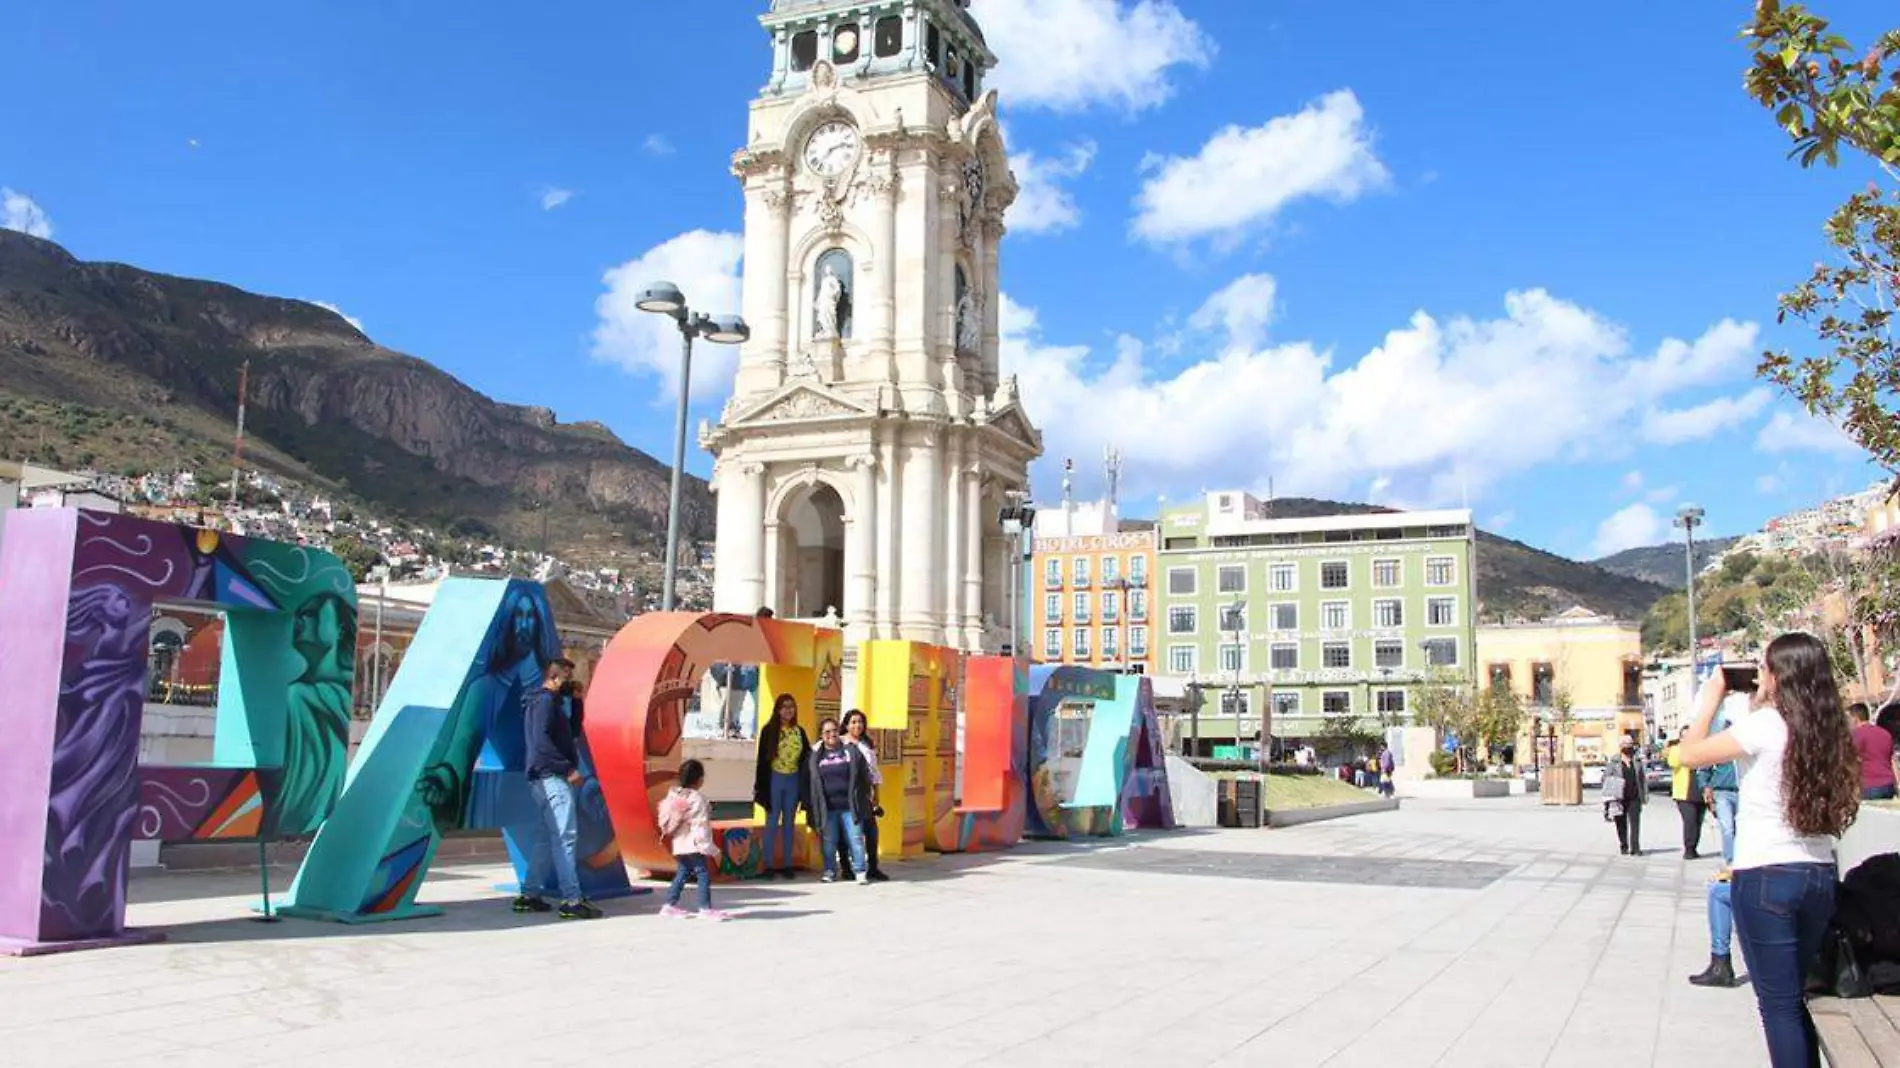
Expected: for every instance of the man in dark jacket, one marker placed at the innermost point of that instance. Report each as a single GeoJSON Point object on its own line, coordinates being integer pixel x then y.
{"type": "Point", "coordinates": [554, 773]}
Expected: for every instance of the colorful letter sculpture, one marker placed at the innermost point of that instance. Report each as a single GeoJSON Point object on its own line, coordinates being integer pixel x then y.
{"type": "Point", "coordinates": [637, 703]}
{"type": "Point", "coordinates": [1093, 763]}
{"type": "Point", "coordinates": [994, 805]}
{"type": "Point", "coordinates": [1147, 803]}
{"type": "Point", "coordinates": [76, 595]}
{"type": "Point", "coordinates": [446, 750]}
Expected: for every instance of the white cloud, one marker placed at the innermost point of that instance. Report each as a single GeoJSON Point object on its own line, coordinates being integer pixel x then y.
{"type": "Point", "coordinates": [1665, 426]}
{"type": "Point", "coordinates": [340, 313]}
{"type": "Point", "coordinates": [1243, 310]}
{"type": "Point", "coordinates": [553, 198]}
{"type": "Point", "coordinates": [1633, 481]}
{"type": "Point", "coordinates": [19, 212]}
{"type": "Point", "coordinates": [658, 145]}
{"type": "Point", "coordinates": [1068, 55]}
{"type": "Point", "coordinates": [1724, 350]}
{"type": "Point", "coordinates": [1768, 485]}
{"type": "Point", "coordinates": [1501, 522]}
{"type": "Point", "coordinates": [1042, 205]}
{"type": "Point", "coordinates": [705, 265]}
{"type": "Point", "coordinates": [1632, 528]}
{"type": "Point", "coordinates": [1799, 432]}
{"type": "Point", "coordinates": [1243, 177]}
{"type": "Point", "coordinates": [1438, 408]}
{"type": "Point", "coordinates": [1663, 494]}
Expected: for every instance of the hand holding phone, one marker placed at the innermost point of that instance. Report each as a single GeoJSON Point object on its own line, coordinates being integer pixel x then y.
{"type": "Point", "coordinates": [1741, 678]}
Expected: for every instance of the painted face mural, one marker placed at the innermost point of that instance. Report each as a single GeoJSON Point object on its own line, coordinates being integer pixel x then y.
{"type": "Point", "coordinates": [317, 734]}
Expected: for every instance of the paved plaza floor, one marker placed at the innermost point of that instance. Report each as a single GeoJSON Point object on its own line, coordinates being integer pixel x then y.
{"type": "Point", "coordinates": [1460, 934]}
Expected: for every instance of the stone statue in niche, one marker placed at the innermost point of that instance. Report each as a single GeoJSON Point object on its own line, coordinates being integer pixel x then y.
{"type": "Point", "coordinates": [969, 322]}
{"type": "Point", "coordinates": [831, 306]}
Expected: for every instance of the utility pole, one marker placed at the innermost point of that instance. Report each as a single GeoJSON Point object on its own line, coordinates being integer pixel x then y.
{"type": "Point", "coordinates": [237, 454]}
{"type": "Point", "coordinates": [1689, 518]}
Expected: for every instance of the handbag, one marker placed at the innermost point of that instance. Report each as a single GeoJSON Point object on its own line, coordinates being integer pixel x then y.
{"type": "Point", "coordinates": [1837, 970]}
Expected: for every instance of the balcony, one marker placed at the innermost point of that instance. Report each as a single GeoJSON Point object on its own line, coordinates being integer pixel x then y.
{"type": "Point", "coordinates": [1051, 582]}
{"type": "Point", "coordinates": [1081, 582]}
{"type": "Point", "coordinates": [1138, 580]}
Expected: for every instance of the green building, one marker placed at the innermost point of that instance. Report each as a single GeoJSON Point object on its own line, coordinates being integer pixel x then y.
{"type": "Point", "coordinates": [1310, 618]}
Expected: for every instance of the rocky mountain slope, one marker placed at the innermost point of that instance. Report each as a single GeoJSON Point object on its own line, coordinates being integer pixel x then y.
{"type": "Point", "coordinates": [113, 367]}
{"type": "Point", "coordinates": [1664, 563]}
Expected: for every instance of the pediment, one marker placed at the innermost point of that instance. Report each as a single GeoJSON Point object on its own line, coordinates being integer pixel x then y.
{"type": "Point", "coordinates": [1013, 423]}
{"type": "Point", "coordinates": [802, 402]}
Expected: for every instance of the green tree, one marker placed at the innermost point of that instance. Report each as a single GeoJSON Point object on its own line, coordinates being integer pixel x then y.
{"type": "Point", "coordinates": [1826, 94]}
{"type": "Point", "coordinates": [356, 555]}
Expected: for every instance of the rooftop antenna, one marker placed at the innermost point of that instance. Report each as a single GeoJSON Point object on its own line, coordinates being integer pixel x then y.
{"type": "Point", "coordinates": [1112, 463]}
{"type": "Point", "coordinates": [1269, 496]}
{"type": "Point", "coordinates": [237, 452]}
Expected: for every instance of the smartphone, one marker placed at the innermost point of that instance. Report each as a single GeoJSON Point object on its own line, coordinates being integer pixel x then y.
{"type": "Point", "coordinates": [1741, 678]}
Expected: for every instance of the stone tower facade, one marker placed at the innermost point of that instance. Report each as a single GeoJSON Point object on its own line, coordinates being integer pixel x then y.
{"type": "Point", "coordinates": [870, 439]}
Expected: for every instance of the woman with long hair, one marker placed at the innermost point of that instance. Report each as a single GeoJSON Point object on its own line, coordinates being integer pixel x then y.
{"type": "Point", "coordinates": [1799, 789]}
{"type": "Point", "coordinates": [857, 732]}
{"type": "Point", "coordinates": [778, 782]}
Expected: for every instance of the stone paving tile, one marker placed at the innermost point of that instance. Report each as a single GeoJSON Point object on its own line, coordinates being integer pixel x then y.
{"type": "Point", "coordinates": [1457, 934]}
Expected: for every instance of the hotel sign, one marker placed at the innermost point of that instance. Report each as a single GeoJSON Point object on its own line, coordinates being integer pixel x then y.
{"type": "Point", "coordinates": [1097, 543]}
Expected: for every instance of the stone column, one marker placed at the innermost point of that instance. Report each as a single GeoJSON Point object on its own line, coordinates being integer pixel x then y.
{"type": "Point", "coordinates": [773, 564]}
{"type": "Point", "coordinates": [861, 549]}
{"type": "Point", "coordinates": [921, 616]}
{"type": "Point", "coordinates": [742, 522]}
{"type": "Point", "coordinates": [881, 304]}
{"type": "Point", "coordinates": [890, 514]}
{"type": "Point", "coordinates": [953, 547]}
{"type": "Point", "coordinates": [766, 286]}
{"type": "Point", "coordinates": [988, 369]}
{"type": "Point", "coordinates": [976, 523]}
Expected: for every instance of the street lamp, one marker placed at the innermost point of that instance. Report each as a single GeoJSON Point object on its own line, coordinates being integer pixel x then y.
{"type": "Point", "coordinates": [1687, 519]}
{"type": "Point", "coordinates": [1237, 613]}
{"type": "Point", "coordinates": [665, 298]}
{"type": "Point", "coordinates": [1018, 518]}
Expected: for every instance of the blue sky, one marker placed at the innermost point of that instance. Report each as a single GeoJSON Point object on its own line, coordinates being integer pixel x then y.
{"type": "Point", "coordinates": [1374, 250]}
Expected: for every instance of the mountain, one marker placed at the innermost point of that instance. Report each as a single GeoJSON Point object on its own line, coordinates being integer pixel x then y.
{"type": "Point", "coordinates": [1663, 564]}
{"type": "Point", "coordinates": [1516, 580]}
{"type": "Point", "coordinates": [112, 367]}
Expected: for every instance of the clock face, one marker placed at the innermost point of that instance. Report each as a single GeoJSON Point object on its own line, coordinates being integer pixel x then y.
{"type": "Point", "coordinates": [832, 149]}
{"type": "Point", "coordinates": [845, 45]}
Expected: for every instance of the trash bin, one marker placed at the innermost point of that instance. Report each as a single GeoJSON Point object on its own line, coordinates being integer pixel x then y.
{"type": "Point", "coordinates": [1562, 784]}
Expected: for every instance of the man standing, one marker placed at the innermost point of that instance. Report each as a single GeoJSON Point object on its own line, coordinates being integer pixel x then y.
{"type": "Point", "coordinates": [1719, 784]}
{"type": "Point", "coordinates": [554, 773]}
{"type": "Point", "coordinates": [1876, 756]}
{"type": "Point", "coordinates": [1689, 800]}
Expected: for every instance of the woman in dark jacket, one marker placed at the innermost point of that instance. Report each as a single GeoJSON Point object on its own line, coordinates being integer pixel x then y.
{"type": "Point", "coordinates": [840, 795]}
{"type": "Point", "coordinates": [1624, 791]}
{"type": "Point", "coordinates": [779, 783]}
{"type": "Point", "coordinates": [857, 732]}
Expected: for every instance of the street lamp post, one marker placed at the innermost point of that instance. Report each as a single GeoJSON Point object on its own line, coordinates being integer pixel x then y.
{"type": "Point", "coordinates": [1018, 519]}
{"type": "Point", "coordinates": [1237, 613]}
{"type": "Point", "coordinates": [1687, 519]}
{"type": "Point", "coordinates": [665, 298]}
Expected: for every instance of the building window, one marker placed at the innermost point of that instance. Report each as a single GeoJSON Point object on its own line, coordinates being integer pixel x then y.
{"type": "Point", "coordinates": [1387, 573]}
{"type": "Point", "coordinates": [1283, 616]}
{"type": "Point", "coordinates": [1283, 578]}
{"type": "Point", "coordinates": [1111, 606]}
{"type": "Point", "coordinates": [1445, 532]}
{"type": "Point", "coordinates": [1138, 570]}
{"type": "Point", "coordinates": [1543, 684]}
{"type": "Point", "coordinates": [1233, 704]}
{"type": "Point", "coordinates": [1052, 644]}
{"type": "Point", "coordinates": [1052, 608]}
{"type": "Point", "coordinates": [1286, 704]}
{"type": "Point", "coordinates": [1052, 572]}
{"type": "Point", "coordinates": [1138, 642]}
{"type": "Point", "coordinates": [1181, 659]}
{"type": "Point", "coordinates": [1441, 652]}
{"type": "Point", "coordinates": [1232, 578]}
{"type": "Point", "coordinates": [1441, 571]}
{"type": "Point", "coordinates": [1111, 570]}
{"type": "Point", "coordinates": [1500, 676]}
{"type": "Point", "coordinates": [1392, 702]}
{"type": "Point", "coordinates": [1138, 604]}
{"type": "Point", "coordinates": [1111, 643]}
{"type": "Point", "coordinates": [933, 44]}
{"type": "Point", "coordinates": [1181, 581]}
{"type": "Point", "coordinates": [1335, 536]}
{"type": "Point", "coordinates": [1181, 619]}
{"type": "Point", "coordinates": [890, 37]}
{"type": "Point", "coordinates": [1233, 659]}
{"type": "Point", "coordinates": [1081, 571]}
{"type": "Point", "coordinates": [1336, 702]}
{"type": "Point", "coordinates": [1336, 655]}
{"type": "Point", "coordinates": [804, 50]}
{"type": "Point", "coordinates": [1388, 653]}
{"type": "Point", "coordinates": [1441, 612]}
{"type": "Point", "coordinates": [1388, 613]}
{"type": "Point", "coordinates": [1285, 656]}
{"type": "Point", "coordinates": [1082, 643]}
{"type": "Point", "coordinates": [845, 45]}
{"type": "Point", "coordinates": [1333, 575]}
{"type": "Point", "coordinates": [1335, 615]}
{"type": "Point", "coordinates": [1233, 617]}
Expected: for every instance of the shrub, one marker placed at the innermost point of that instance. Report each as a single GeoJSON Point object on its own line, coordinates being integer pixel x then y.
{"type": "Point", "coordinates": [1444, 764]}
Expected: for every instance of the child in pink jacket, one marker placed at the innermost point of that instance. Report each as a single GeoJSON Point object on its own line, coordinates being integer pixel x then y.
{"type": "Point", "coordinates": [686, 827]}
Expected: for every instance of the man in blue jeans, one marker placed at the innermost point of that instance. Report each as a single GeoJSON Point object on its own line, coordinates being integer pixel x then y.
{"type": "Point", "coordinates": [1721, 969]}
{"type": "Point", "coordinates": [1718, 791]}
{"type": "Point", "coordinates": [554, 773]}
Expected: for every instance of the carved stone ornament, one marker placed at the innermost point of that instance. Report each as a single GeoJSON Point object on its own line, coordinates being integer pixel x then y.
{"type": "Point", "coordinates": [864, 461]}
{"type": "Point", "coordinates": [831, 211]}
{"type": "Point", "coordinates": [823, 76]}
{"type": "Point", "coordinates": [805, 405]}
{"type": "Point", "coordinates": [778, 201]}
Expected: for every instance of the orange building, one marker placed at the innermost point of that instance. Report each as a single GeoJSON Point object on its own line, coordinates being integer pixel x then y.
{"type": "Point", "coordinates": [1091, 600]}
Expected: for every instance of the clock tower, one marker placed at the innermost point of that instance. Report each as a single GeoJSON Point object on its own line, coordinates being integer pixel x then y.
{"type": "Point", "coordinates": [870, 440]}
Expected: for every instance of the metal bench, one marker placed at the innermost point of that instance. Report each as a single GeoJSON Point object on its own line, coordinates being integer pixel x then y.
{"type": "Point", "coordinates": [1858, 1032]}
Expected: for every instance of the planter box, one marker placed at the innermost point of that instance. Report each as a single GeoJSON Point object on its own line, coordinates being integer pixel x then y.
{"type": "Point", "coordinates": [1293, 817]}
{"type": "Point", "coordinates": [1453, 789]}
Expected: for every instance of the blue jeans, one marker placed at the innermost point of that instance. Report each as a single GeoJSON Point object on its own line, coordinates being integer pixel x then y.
{"type": "Point", "coordinates": [842, 822]}
{"type": "Point", "coordinates": [781, 811]}
{"type": "Point", "coordinates": [1725, 818]}
{"type": "Point", "coordinates": [554, 847]}
{"type": "Point", "coordinates": [1721, 919]}
{"type": "Point", "coordinates": [1781, 913]}
{"type": "Point", "coordinates": [685, 869]}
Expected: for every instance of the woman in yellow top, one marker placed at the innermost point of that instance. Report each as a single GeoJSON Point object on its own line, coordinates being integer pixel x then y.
{"type": "Point", "coordinates": [1687, 792]}
{"type": "Point", "coordinates": [779, 783]}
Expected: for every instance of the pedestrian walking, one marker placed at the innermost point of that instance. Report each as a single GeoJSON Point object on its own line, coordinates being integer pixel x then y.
{"type": "Point", "coordinates": [686, 827]}
{"type": "Point", "coordinates": [779, 782]}
{"type": "Point", "coordinates": [554, 773]}
{"type": "Point", "coordinates": [1388, 763]}
{"type": "Point", "coordinates": [1799, 789]}
{"type": "Point", "coordinates": [1688, 796]}
{"type": "Point", "coordinates": [857, 732]}
{"type": "Point", "coordinates": [1876, 756]}
{"type": "Point", "coordinates": [1623, 799]}
{"type": "Point", "coordinates": [839, 780]}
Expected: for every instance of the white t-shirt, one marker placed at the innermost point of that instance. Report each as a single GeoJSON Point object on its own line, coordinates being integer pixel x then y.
{"type": "Point", "coordinates": [1762, 834]}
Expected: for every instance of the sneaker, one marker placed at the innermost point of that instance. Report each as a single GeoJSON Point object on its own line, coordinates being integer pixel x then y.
{"type": "Point", "coordinates": [880, 877]}
{"type": "Point", "coordinates": [580, 910]}
{"type": "Point", "coordinates": [531, 903]}
{"type": "Point", "coordinates": [829, 877]}
{"type": "Point", "coordinates": [671, 911]}
{"type": "Point", "coordinates": [863, 879]}
{"type": "Point", "coordinates": [714, 915]}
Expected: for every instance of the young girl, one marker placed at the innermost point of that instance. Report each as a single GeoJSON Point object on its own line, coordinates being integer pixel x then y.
{"type": "Point", "coordinates": [686, 826]}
